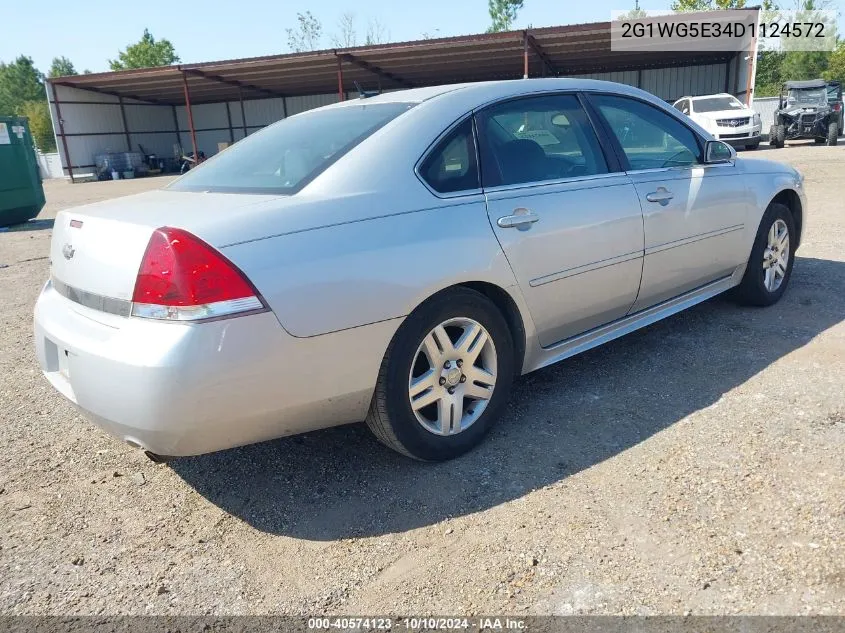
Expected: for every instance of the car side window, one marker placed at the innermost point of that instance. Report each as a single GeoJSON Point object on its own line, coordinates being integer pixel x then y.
{"type": "Point", "coordinates": [452, 166]}
{"type": "Point", "coordinates": [650, 138]}
{"type": "Point", "coordinates": [537, 139]}
{"type": "Point", "coordinates": [683, 106]}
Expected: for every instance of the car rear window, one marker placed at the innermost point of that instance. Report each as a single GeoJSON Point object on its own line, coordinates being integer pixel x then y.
{"type": "Point", "coordinates": [287, 155]}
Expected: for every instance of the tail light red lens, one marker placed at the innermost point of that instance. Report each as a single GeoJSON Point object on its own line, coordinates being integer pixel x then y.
{"type": "Point", "coordinates": [837, 107]}
{"type": "Point", "coordinates": [184, 279]}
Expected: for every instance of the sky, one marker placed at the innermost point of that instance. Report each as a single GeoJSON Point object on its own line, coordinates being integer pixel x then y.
{"type": "Point", "coordinates": [205, 30]}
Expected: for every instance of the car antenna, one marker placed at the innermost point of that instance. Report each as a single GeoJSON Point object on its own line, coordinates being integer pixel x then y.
{"type": "Point", "coordinates": [363, 94]}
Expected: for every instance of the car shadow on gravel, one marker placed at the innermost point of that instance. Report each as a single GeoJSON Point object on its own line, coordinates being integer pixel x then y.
{"type": "Point", "coordinates": [341, 483]}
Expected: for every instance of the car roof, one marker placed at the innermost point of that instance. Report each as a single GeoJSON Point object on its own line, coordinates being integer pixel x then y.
{"type": "Point", "coordinates": [492, 90]}
{"type": "Point", "coordinates": [810, 83]}
{"type": "Point", "coordinates": [458, 99]}
{"type": "Point", "coordinates": [718, 94]}
{"type": "Point", "coordinates": [410, 95]}
{"type": "Point", "coordinates": [699, 97]}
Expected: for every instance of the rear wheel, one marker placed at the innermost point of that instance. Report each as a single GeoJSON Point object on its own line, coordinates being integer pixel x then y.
{"type": "Point", "coordinates": [753, 146]}
{"type": "Point", "coordinates": [832, 133]}
{"type": "Point", "coordinates": [770, 265]}
{"type": "Point", "coordinates": [445, 377]}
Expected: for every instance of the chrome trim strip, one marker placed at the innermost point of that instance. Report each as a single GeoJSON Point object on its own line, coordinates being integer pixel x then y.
{"type": "Point", "coordinates": [183, 314]}
{"type": "Point", "coordinates": [560, 181]}
{"type": "Point", "coordinates": [202, 312]}
{"type": "Point", "coordinates": [585, 268]}
{"type": "Point", "coordinates": [682, 168]}
{"type": "Point", "coordinates": [110, 305]}
{"type": "Point", "coordinates": [693, 238]}
{"type": "Point", "coordinates": [625, 325]}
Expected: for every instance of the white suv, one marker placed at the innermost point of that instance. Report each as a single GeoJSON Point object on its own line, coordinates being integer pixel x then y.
{"type": "Point", "coordinates": [725, 117]}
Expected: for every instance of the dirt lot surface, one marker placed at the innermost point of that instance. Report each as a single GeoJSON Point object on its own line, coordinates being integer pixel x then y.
{"type": "Point", "coordinates": [695, 466]}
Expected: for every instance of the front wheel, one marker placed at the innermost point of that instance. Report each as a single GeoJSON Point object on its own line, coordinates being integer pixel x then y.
{"type": "Point", "coordinates": [832, 133]}
{"type": "Point", "coordinates": [753, 146]}
{"type": "Point", "coordinates": [777, 135]}
{"type": "Point", "coordinates": [770, 265]}
{"type": "Point", "coordinates": [445, 377]}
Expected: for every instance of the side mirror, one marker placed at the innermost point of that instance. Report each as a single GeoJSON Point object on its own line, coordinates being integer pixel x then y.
{"type": "Point", "coordinates": [718, 152]}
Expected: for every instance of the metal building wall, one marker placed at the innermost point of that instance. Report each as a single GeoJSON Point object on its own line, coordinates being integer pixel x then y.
{"type": "Point", "coordinates": [622, 76]}
{"type": "Point", "coordinates": [212, 123]}
{"type": "Point", "coordinates": [92, 123]}
{"type": "Point", "coordinates": [301, 104]}
{"type": "Point", "coordinates": [671, 84]}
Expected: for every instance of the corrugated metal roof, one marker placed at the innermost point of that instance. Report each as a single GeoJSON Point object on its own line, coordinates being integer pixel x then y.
{"type": "Point", "coordinates": [557, 50]}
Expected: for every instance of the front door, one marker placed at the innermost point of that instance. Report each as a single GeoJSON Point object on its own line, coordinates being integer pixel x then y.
{"type": "Point", "coordinates": [693, 214]}
{"type": "Point", "coordinates": [569, 226]}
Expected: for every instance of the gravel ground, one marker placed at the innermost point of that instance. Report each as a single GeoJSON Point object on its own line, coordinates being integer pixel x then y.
{"type": "Point", "coordinates": [695, 466]}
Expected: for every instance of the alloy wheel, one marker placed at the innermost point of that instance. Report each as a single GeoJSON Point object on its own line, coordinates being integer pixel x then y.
{"type": "Point", "coordinates": [776, 256]}
{"type": "Point", "coordinates": [452, 376]}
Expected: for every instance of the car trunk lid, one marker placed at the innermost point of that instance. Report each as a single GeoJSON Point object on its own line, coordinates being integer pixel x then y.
{"type": "Point", "coordinates": [96, 250]}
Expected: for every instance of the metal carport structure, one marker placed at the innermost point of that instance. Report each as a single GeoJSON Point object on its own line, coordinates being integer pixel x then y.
{"type": "Point", "coordinates": [205, 103]}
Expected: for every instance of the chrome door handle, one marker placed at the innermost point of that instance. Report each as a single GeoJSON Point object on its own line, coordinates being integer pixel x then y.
{"type": "Point", "coordinates": [662, 195]}
{"type": "Point", "coordinates": [521, 219]}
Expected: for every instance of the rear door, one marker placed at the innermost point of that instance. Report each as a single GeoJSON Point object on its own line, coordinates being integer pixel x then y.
{"type": "Point", "coordinates": [693, 214]}
{"type": "Point", "coordinates": [568, 220]}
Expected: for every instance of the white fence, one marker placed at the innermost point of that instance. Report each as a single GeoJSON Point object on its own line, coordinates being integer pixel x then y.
{"type": "Point", "coordinates": [766, 107]}
{"type": "Point", "coordinates": [50, 165]}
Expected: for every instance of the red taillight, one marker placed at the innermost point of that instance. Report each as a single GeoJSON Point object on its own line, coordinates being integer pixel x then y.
{"type": "Point", "coordinates": [837, 107]}
{"type": "Point", "coordinates": [182, 278]}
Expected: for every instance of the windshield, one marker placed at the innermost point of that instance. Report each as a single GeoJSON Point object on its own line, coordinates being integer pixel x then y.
{"type": "Point", "coordinates": [713, 104]}
{"type": "Point", "coordinates": [286, 156]}
{"type": "Point", "coordinates": [812, 96]}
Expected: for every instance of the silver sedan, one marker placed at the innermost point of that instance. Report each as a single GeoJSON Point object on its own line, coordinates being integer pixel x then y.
{"type": "Point", "coordinates": [400, 259]}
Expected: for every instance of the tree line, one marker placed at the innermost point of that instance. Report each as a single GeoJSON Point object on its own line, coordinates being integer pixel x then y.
{"type": "Point", "coordinates": [23, 92]}
{"type": "Point", "coordinates": [22, 89]}
{"type": "Point", "coordinates": [777, 66]}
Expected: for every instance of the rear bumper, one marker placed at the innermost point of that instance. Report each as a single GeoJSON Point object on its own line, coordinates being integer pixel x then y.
{"type": "Point", "coordinates": [184, 389]}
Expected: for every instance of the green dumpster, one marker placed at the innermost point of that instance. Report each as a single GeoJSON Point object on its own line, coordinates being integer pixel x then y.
{"type": "Point", "coordinates": [21, 193]}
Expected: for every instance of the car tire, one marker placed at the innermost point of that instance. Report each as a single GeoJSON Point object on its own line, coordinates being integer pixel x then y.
{"type": "Point", "coordinates": [777, 136]}
{"type": "Point", "coordinates": [421, 431]}
{"type": "Point", "coordinates": [832, 133]}
{"type": "Point", "coordinates": [753, 146]}
{"type": "Point", "coordinates": [757, 288]}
